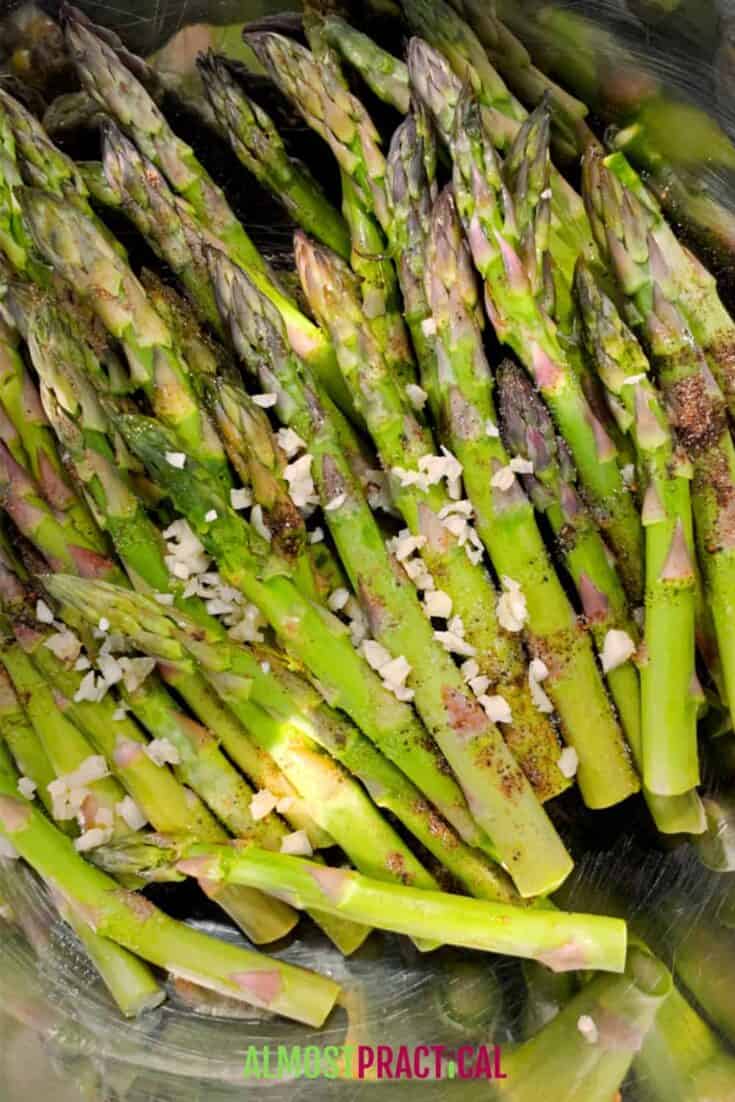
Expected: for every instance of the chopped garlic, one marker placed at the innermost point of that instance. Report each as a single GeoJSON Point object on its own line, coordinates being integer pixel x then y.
{"type": "Point", "coordinates": [82, 663]}
{"type": "Point", "coordinates": [162, 752]}
{"type": "Point", "coordinates": [241, 498]}
{"type": "Point", "coordinates": [93, 838]}
{"type": "Point", "coordinates": [632, 380]}
{"type": "Point", "coordinates": [455, 644]}
{"type": "Point", "coordinates": [512, 610]}
{"type": "Point", "coordinates": [119, 714]}
{"type": "Point", "coordinates": [164, 598]}
{"type": "Point", "coordinates": [336, 503]}
{"type": "Point", "coordinates": [416, 395]}
{"type": "Point", "coordinates": [617, 649]}
{"type": "Point", "coordinates": [44, 615]}
{"type": "Point", "coordinates": [338, 599]}
{"type": "Point", "coordinates": [176, 459]}
{"type": "Point", "coordinates": [375, 654]}
{"type": "Point", "coordinates": [628, 473]}
{"type": "Point", "coordinates": [568, 761]}
{"type": "Point", "coordinates": [316, 536]}
{"type": "Point", "coordinates": [459, 508]}
{"type": "Point", "coordinates": [297, 844]}
{"type": "Point", "coordinates": [104, 624]}
{"type": "Point", "coordinates": [300, 482]}
{"type": "Point", "coordinates": [290, 442]}
{"type": "Point", "coordinates": [210, 516]}
{"type": "Point", "coordinates": [521, 466]}
{"type": "Point", "coordinates": [503, 479]}
{"type": "Point", "coordinates": [491, 430]}
{"type": "Point", "coordinates": [496, 708]}
{"type": "Point", "coordinates": [588, 1029]}
{"type": "Point", "coordinates": [27, 787]}
{"type": "Point", "coordinates": [130, 813]}
{"type": "Point", "coordinates": [258, 523]}
{"type": "Point", "coordinates": [428, 327]}
{"type": "Point", "coordinates": [479, 684]}
{"type": "Point", "coordinates": [265, 401]}
{"type": "Point", "coordinates": [404, 544]}
{"type": "Point", "coordinates": [90, 689]}
{"type": "Point", "coordinates": [538, 671]}
{"type": "Point", "coordinates": [469, 669]}
{"type": "Point", "coordinates": [262, 803]}
{"type": "Point", "coordinates": [395, 672]}
{"type": "Point", "coordinates": [64, 644]}
{"type": "Point", "coordinates": [135, 671]}
{"type": "Point", "coordinates": [437, 603]}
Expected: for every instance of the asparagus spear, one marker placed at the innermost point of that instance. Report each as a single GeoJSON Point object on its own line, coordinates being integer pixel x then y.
{"type": "Point", "coordinates": [258, 145]}
{"type": "Point", "coordinates": [121, 94]}
{"type": "Point", "coordinates": [402, 625]}
{"type": "Point", "coordinates": [551, 936]}
{"type": "Point", "coordinates": [24, 744]}
{"type": "Point", "coordinates": [529, 433]}
{"type": "Point", "coordinates": [131, 921]}
{"type": "Point", "coordinates": [506, 522]}
{"type": "Point", "coordinates": [434, 81]}
{"type": "Point", "coordinates": [669, 662]}
{"type": "Point", "coordinates": [491, 215]}
{"type": "Point", "coordinates": [383, 73]}
{"type": "Point", "coordinates": [166, 222]}
{"type": "Point", "coordinates": [130, 982]}
{"type": "Point", "coordinates": [19, 398]}
{"type": "Point", "coordinates": [577, 1066]}
{"type": "Point", "coordinates": [81, 255]}
{"type": "Point", "coordinates": [123, 611]}
{"type": "Point", "coordinates": [682, 1059]}
{"type": "Point", "coordinates": [317, 638]}
{"type": "Point", "coordinates": [695, 404]}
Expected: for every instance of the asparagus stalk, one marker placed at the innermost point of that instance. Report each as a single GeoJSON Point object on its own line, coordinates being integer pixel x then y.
{"type": "Point", "coordinates": [694, 402]}
{"type": "Point", "coordinates": [317, 638]}
{"type": "Point", "coordinates": [668, 664]}
{"type": "Point", "coordinates": [491, 216]}
{"type": "Point", "coordinates": [131, 921]}
{"type": "Point", "coordinates": [121, 94]}
{"type": "Point", "coordinates": [573, 1066]}
{"type": "Point", "coordinates": [434, 81]}
{"type": "Point", "coordinates": [20, 400]}
{"type": "Point", "coordinates": [402, 625]}
{"type": "Point", "coordinates": [234, 673]}
{"type": "Point", "coordinates": [259, 147]}
{"type": "Point", "coordinates": [164, 220]}
{"type": "Point", "coordinates": [682, 1059]}
{"type": "Point", "coordinates": [506, 522]}
{"type": "Point", "coordinates": [84, 259]}
{"type": "Point", "coordinates": [554, 937]}
{"type": "Point", "coordinates": [383, 73]}
{"type": "Point", "coordinates": [24, 744]}
{"type": "Point", "coordinates": [330, 109]}
{"type": "Point", "coordinates": [130, 982]}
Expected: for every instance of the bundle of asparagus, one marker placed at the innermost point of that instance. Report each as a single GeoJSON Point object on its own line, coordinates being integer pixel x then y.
{"type": "Point", "coordinates": [272, 585]}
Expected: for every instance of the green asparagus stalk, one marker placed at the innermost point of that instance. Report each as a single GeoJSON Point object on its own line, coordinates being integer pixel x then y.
{"type": "Point", "coordinates": [24, 744]}
{"type": "Point", "coordinates": [43, 165]}
{"type": "Point", "coordinates": [384, 74]}
{"type": "Point", "coordinates": [121, 94]}
{"type": "Point", "coordinates": [616, 1014]}
{"type": "Point", "coordinates": [695, 404]}
{"type": "Point", "coordinates": [130, 982]}
{"type": "Point", "coordinates": [164, 220]}
{"type": "Point", "coordinates": [691, 287]}
{"type": "Point", "coordinates": [95, 181]}
{"type": "Point", "coordinates": [19, 398]}
{"type": "Point", "coordinates": [402, 626]}
{"type": "Point", "coordinates": [434, 81]}
{"type": "Point", "coordinates": [490, 215]}
{"type": "Point", "coordinates": [259, 147]}
{"type": "Point", "coordinates": [316, 637]}
{"type": "Point", "coordinates": [554, 937]}
{"type": "Point", "coordinates": [131, 921]}
{"type": "Point", "coordinates": [84, 259]}
{"type": "Point", "coordinates": [668, 663]}
{"type": "Point", "coordinates": [506, 521]}
{"type": "Point", "coordinates": [330, 109]}
{"type": "Point", "coordinates": [682, 1059]}
{"type": "Point", "coordinates": [233, 672]}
